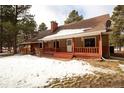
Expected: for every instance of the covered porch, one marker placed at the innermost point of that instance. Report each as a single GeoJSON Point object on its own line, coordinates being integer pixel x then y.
{"type": "Point", "coordinates": [29, 47]}
{"type": "Point", "coordinates": [87, 46]}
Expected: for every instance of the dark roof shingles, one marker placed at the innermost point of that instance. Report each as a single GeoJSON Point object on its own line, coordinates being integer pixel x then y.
{"type": "Point", "coordinates": [96, 23]}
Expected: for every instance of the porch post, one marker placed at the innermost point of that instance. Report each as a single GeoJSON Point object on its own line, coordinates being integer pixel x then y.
{"type": "Point", "coordinates": [55, 45]}
{"type": "Point", "coordinates": [100, 45]}
{"type": "Point", "coordinates": [73, 44]}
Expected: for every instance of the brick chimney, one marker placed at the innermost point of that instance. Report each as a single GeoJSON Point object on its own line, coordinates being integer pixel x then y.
{"type": "Point", "coordinates": [54, 26]}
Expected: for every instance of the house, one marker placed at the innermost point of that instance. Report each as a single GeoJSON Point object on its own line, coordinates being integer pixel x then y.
{"type": "Point", "coordinates": [87, 38]}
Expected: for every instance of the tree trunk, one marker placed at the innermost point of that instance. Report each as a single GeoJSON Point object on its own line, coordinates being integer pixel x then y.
{"type": "Point", "coordinates": [15, 35]}
{"type": "Point", "coordinates": [1, 29]}
{"type": "Point", "coordinates": [15, 44]}
{"type": "Point", "coordinates": [9, 46]}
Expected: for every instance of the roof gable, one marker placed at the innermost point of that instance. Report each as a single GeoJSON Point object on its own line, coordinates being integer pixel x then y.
{"type": "Point", "coordinates": [96, 22]}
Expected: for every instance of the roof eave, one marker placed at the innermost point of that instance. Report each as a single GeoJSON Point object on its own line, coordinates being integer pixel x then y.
{"type": "Point", "coordinates": [73, 35]}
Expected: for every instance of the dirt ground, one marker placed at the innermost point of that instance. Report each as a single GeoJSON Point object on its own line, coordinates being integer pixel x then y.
{"type": "Point", "coordinates": [99, 80]}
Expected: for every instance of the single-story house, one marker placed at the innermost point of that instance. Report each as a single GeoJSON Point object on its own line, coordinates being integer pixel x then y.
{"type": "Point", "coordinates": [87, 38]}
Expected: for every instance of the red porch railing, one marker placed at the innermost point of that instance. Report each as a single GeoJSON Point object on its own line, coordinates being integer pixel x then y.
{"type": "Point", "coordinates": [86, 49]}
{"type": "Point", "coordinates": [90, 50]}
{"type": "Point", "coordinates": [76, 49]}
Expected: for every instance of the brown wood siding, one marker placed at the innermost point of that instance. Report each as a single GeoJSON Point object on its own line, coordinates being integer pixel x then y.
{"type": "Point", "coordinates": [52, 44]}
{"type": "Point", "coordinates": [105, 46]}
{"type": "Point", "coordinates": [97, 41]}
{"type": "Point", "coordinates": [78, 42]}
{"type": "Point", "coordinates": [104, 40]}
{"type": "Point", "coordinates": [49, 44]}
{"type": "Point", "coordinates": [62, 43]}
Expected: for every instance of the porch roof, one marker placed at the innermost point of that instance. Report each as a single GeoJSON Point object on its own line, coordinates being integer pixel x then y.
{"type": "Point", "coordinates": [24, 43]}
{"type": "Point", "coordinates": [71, 33]}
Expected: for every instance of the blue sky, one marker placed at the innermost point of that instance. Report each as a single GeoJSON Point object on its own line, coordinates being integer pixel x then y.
{"type": "Point", "coordinates": [60, 12]}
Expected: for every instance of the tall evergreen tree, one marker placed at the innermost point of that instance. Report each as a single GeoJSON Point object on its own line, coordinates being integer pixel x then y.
{"type": "Point", "coordinates": [6, 15]}
{"type": "Point", "coordinates": [73, 17]}
{"type": "Point", "coordinates": [20, 12]}
{"type": "Point", "coordinates": [117, 38]}
{"type": "Point", "coordinates": [42, 27]}
{"type": "Point", "coordinates": [1, 27]}
{"type": "Point", "coordinates": [11, 16]}
{"type": "Point", "coordinates": [27, 26]}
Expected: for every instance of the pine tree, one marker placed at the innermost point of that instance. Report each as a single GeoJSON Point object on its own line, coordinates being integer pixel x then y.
{"type": "Point", "coordinates": [20, 12]}
{"type": "Point", "coordinates": [73, 17]}
{"type": "Point", "coordinates": [117, 38]}
{"type": "Point", "coordinates": [42, 27]}
{"type": "Point", "coordinates": [11, 16]}
{"type": "Point", "coordinates": [1, 27]}
{"type": "Point", "coordinates": [26, 26]}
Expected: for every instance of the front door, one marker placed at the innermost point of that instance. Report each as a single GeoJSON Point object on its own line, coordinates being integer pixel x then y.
{"type": "Point", "coordinates": [69, 45]}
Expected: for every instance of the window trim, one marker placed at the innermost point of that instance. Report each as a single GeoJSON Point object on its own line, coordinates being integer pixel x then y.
{"type": "Point", "coordinates": [67, 42]}
{"type": "Point", "coordinates": [89, 38]}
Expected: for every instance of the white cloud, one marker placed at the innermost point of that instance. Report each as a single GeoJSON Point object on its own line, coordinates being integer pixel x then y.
{"type": "Point", "coordinates": [42, 14]}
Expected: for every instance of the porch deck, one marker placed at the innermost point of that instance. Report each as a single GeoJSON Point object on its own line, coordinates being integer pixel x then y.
{"type": "Point", "coordinates": [92, 52]}
{"type": "Point", "coordinates": [85, 52]}
{"type": "Point", "coordinates": [63, 55]}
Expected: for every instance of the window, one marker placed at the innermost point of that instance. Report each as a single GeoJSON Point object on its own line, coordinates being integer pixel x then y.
{"type": "Point", "coordinates": [89, 42]}
{"type": "Point", "coordinates": [56, 44]}
{"type": "Point", "coordinates": [40, 45]}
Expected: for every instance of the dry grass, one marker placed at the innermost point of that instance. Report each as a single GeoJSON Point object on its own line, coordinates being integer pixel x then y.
{"type": "Point", "coordinates": [104, 64]}
{"type": "Point", "coordinates": [109, 64]}
{"type": "Point", "coordinates": [99, 80]}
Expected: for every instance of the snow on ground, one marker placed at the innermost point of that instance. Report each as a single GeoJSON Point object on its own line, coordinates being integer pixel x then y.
{"type": "Point", "coordinates": [122, 67]}
{"type": "Point", "coordinates": [31, 71]}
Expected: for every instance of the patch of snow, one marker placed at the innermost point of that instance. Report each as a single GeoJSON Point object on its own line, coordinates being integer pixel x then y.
{"type": "Point", "coordinates": [122, 67]}
{"type": "Point", "coordinates": [31, 71]}
{"type": "Point", "coordinates": [65, 32]}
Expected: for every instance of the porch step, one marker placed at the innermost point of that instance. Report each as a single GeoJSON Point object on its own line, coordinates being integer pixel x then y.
{"type": "Point", "coordinates": [49, 53]}
{"type": "Point", "coordinates": [63, 55]}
